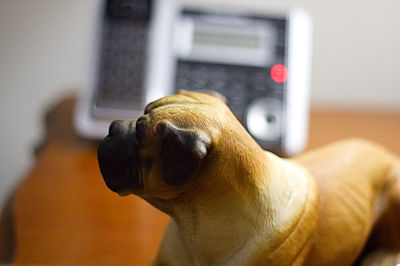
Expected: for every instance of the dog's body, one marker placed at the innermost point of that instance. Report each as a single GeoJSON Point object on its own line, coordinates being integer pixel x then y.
{"type": "Point", "coordinates": [232, 203]}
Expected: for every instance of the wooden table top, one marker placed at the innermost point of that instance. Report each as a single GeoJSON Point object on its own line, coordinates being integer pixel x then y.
{"type": "Point", "coordinates": [64, 214]}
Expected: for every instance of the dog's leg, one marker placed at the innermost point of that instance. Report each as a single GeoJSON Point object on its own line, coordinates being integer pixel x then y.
{"type": "Point", "coordinates": [173, 250]}
{"type": "Point", "coordinates": [381, 257]}
{"type": "Point", "coordinates": [383, 247]}
{"type": "Point", "coordinates": [386, 233]}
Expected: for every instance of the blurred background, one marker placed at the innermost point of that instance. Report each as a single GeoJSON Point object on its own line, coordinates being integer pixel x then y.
{"type": "Point", "coordinates": [45, 54]}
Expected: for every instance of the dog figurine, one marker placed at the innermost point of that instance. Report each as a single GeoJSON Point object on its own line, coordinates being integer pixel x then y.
{"type": "Point", "coordinates": [233, 203]}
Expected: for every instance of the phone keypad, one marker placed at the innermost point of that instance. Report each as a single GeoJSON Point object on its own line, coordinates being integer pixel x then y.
{"type": "Point", "coordinates": [239, 84]}
{"type": "Point", "coordinates": [122, 66]}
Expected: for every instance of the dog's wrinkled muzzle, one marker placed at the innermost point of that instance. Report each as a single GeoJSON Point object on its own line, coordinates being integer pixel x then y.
{"type": "Point", "coordinates": [118, 158]}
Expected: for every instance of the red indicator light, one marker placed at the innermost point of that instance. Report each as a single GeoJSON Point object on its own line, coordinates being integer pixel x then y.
{"type": "Point", "coordinates": [279, 73]}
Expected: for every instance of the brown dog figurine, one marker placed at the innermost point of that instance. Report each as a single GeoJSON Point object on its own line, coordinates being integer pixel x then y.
{"type": "Point", "coordinates": [233, 203]}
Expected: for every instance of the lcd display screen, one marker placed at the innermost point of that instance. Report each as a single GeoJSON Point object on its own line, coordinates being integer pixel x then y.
{"type": "Point", "coordinates": [202, 37]}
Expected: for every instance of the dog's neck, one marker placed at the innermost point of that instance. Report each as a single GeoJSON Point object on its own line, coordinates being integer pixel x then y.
{"type": "Point", "coordinates": [254, 193]}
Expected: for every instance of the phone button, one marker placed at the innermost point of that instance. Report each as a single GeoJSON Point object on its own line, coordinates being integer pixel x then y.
{"type": "Point", "coordinates": [264, 119]}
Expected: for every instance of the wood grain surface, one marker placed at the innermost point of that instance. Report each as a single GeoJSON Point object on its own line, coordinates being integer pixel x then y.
{"type": "Point", "coordinates": [64, 214]}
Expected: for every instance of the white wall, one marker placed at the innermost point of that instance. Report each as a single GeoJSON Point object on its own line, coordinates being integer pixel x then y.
{"type": "Point", "coordinates": [44, 55]}
{"type": "Point", "coordinates": [356, 53]}
{"type": "Point", "coordinates": [43, 48]}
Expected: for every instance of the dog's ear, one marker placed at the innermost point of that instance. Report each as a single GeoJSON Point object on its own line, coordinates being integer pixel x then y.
{"type": "Point", "coordinates": [182, 152]}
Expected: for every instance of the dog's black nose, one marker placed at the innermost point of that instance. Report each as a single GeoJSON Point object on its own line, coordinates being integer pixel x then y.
{"type": "Point", "coordinates": [117, 155]}
{"type": "Point", "coordinates": [119, 128]}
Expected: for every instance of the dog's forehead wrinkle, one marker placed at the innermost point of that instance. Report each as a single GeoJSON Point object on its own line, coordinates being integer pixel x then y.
{"type": "Point", "coordinates": [183, 104]}
{"type": "Point", "coordinates": [182, 99]}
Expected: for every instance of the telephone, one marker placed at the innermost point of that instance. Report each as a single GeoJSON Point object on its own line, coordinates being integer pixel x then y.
{"type": "Point", "coordinates": [260, 61]}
